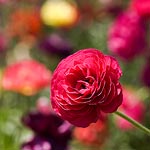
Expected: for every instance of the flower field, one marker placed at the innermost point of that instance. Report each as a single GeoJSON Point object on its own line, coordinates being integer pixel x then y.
{"type": "Point", "coordinates": [73, 73]}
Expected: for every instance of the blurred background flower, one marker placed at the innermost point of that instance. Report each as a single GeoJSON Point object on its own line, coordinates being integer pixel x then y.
{"type": "Point", "coordinates": [37, 143]}
{"type": "Point", "coordinates": [50, 131]}
{"type": "Point", "coordinates": [3, 1]}
{"type": "Point", "coordinates": [59, 13]}
{"type": "Point", "coordinates": [132, 106]}
{"type": "Point", "coordinates": [127, 36]}
{"type": "Point", "coordinates": [3, 43]}
{"type": "Point", "coordinates": [56, 44]}
{"type": "Point", "coordinates": [95, 134]}
{"type": "Point", "coordinates": [26, 77]}
{"type": "Point", "coordinates": [142, 7]}
{"type": "Point", "coordinates": [24, 23]}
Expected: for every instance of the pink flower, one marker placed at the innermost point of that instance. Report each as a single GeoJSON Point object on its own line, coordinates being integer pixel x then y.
{"type": "Point", "coordinates": [26, 77]}
{"type": "Point", "coordinates": [142, 7]}
{"type": "Point", "coordinates": [43, 105]}
{"type": "Point", "coordinates": [131, 106]}
{"type": "Point", "coordinates": [84, 85]}
{"type": "Point", "coordinates": [126, 36]}
{"type": "Point", "coordinates": [94, 134]}
{"type": "Point", "coordinates": [3, 43]}
{"type": "Point", "coordinates": [4, 1]}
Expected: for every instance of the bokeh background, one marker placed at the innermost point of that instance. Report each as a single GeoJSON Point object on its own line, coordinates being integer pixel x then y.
{"type": "Point", "coordinates": [35, 35]}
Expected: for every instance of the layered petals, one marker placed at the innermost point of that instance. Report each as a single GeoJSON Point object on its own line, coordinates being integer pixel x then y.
{"type": "Point", "coordinates": [84, 84]}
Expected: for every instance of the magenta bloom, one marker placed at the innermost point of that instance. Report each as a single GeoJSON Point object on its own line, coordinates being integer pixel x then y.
{"type": "Point", "coordinates": [131, 106]}
{"type": "Point", "coordinates": [126, 36]}
{"type": "Point", "coordinates": [84, 84]}
{"type": "Point", "coordinates": [146, 75]}
{"type": "Point", "coordinates": [142, 7]}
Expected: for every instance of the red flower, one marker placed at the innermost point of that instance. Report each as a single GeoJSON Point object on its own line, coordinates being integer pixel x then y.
{"type": "Point", "coordinates": [26, 77]}
{"type": "Point", "coordinates": [131, 106]}
{"type": "Point", "coordinates": [84, 84]}
{"type": "Point", "coordinates": [142, 7]}
{"type": "Point", "coordinates": [94, 134]}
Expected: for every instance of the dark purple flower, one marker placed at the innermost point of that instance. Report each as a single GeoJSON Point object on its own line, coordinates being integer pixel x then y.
{"type": "Point", "coordinates": [42, 143]}
{"type": "Point", "coordinates": [37, 143]}
{"type": "Point", "coordinates": [48, 125]}
{"type": "Point", "coordinates": [56, 44]}
{"type": "Point", "coordinates": [146, 74]}
{"type": "Point", "coordinates": [114, 10]}
{"type": "Point", "coordinates": [127, 35]}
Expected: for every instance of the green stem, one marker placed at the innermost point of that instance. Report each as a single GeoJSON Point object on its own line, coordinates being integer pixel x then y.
{"type": "Point", "coordinates": [133, 122]}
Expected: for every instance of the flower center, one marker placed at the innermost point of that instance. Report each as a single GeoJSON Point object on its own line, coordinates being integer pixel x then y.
{"type": "Point", "coordinates": [84, 85]}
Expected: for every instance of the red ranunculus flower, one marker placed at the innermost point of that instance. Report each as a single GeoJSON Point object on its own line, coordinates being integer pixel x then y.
{"type": "Point", "coordinates": [26, 77]}
{"type": "Point", "coordinates": [84, 84]}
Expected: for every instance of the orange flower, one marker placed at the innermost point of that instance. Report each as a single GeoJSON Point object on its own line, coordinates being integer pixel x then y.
{"type": "Point", "coordinates": [94, 134]}
{"type": "Point", "coordinates": [26, 77]}
{"type": "Point", "coordinates": [24, 23]}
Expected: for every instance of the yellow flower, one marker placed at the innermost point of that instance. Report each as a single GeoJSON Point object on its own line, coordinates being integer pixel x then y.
{"type": "Point", "coordinates": [59, 13]}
